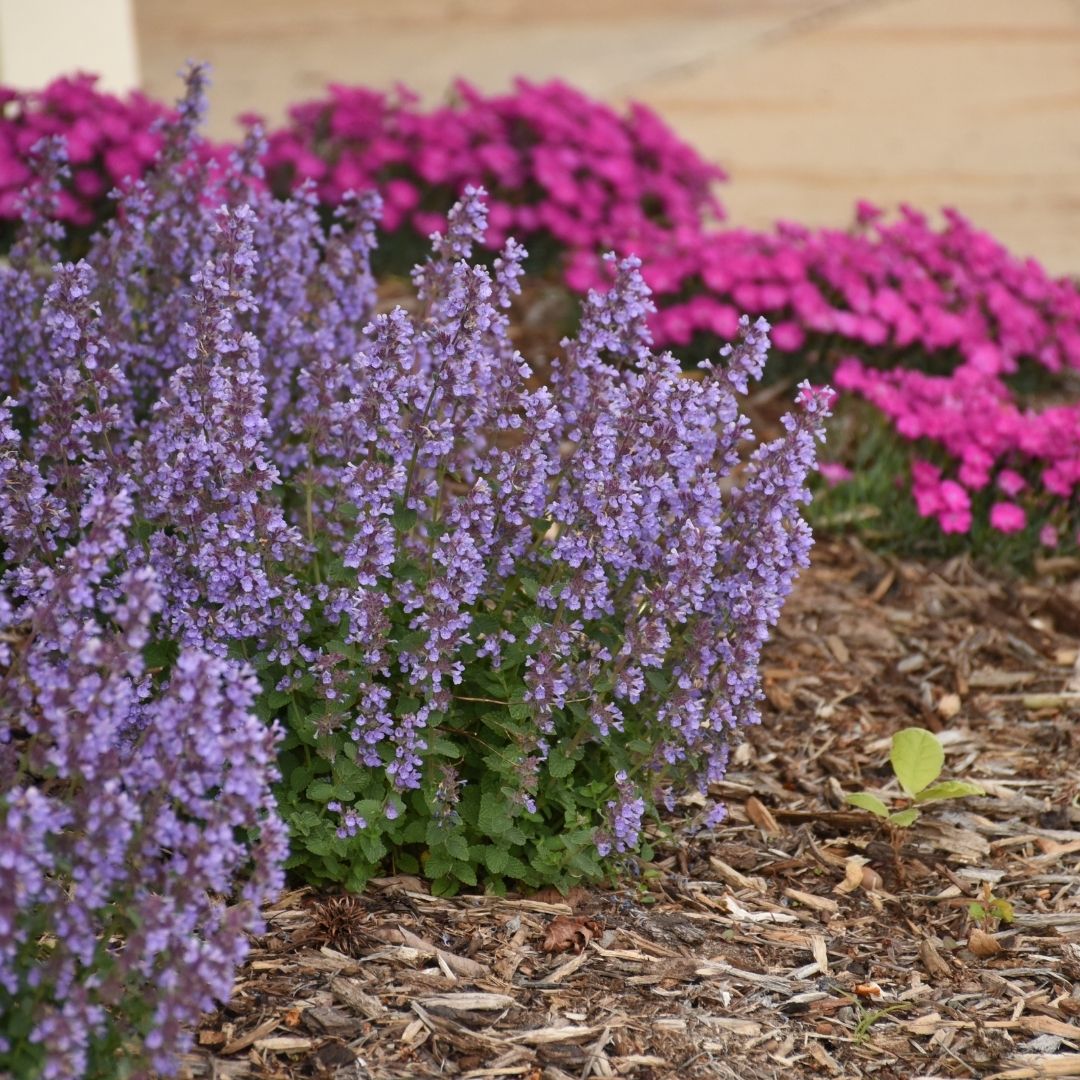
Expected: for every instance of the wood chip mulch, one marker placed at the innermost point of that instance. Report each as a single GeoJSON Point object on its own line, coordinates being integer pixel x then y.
{"type": "Point", "coordinates": [800, 938]}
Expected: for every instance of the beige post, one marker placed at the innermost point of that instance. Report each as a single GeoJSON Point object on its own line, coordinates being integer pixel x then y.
{"type": "Point", "coordinates": [40, 39]}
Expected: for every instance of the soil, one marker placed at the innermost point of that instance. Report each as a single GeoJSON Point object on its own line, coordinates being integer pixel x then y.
{"type": "Point", "coordinates": [801, 938]}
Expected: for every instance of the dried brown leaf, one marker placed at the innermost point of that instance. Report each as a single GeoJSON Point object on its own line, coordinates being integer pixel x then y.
{"type": "Point", "coordinates": [983, 944]}
{"type": "Point", "coordinates": [570, 933]}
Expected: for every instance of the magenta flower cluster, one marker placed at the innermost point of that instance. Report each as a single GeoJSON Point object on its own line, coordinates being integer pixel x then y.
{"type": "Point", "coordinates": [555, 162]}
{"type": "Point", "coordinates": [109, 139]}
{"type": "Point", "coordinates": [882, 303]}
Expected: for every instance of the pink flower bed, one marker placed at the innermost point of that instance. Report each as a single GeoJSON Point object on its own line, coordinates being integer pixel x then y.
{"type": "Point", "coordinates": [552, 159]}
{"type": "Point", "coordinates": [926, 323]}
{"type": "Point", "coordinates": [109, 139]}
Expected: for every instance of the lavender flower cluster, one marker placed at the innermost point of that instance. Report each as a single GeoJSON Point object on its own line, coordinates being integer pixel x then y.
{"type": "Point", "coordinates": [139, 836]}
{"type": "Point", "coordinates": [500, 622]}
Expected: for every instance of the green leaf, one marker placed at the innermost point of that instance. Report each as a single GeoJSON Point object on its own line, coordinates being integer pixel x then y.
{"type": "Point", "coordinates": [949, 789]}
{"type": "Point", "coordinates": [457, 846]}
{"type": "Point", "coordinates": [404, 519]}
{"type": "Point", "coordinates": [530, 587]}
{"type": "Point", "coordinates": [464, 871]}
{"type": "Point", "coordinates": [496, 859]}
{"type": "Point", "coordinates": [444, 747]}
{"type": "Point", "coordinates": [560, 763]}
{"type": "Point", "coordinates": [917, 758]}
{"type": "Point", "coordinates": [904, 818]}
{"type": "Point", "coordinates": [438, 865]}
{"type": "Point", "coordinates": [657, 680]}
{"type": "Point", "coordinates": [494, 817]}
{"type": "Point", "coordinates": [865, 801]}
{"type": "Point", "coordinates": [320, 791]}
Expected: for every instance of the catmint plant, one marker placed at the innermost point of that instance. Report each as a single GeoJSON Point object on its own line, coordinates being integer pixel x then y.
{"type": "Point", "coordinates": [499, 622]}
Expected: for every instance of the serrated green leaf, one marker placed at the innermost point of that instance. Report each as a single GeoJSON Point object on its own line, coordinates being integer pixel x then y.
{"type": "Point", "coordinates": [320, 791]}
{"type": "Point", "coordinates": [457, 846]}
{"type": "Point", "coordinates": [372, 847]}
{"type": "Point", "coordinates": [437, 865]}
{"type": "Point", "coordinates": [403, 518]}
{"type": "Point", "coordinates": [949, 789]}
{"type": "Point", "coordinates": [904, 818]}
{"type": "Point", "coordinates": [515, 869]}
{"type": "Point", "coordinates": [530, 587]}
{"type": "Point", "coordinates": [444, 747]}
{"type": "Point", "coordinates": [865, 801]}
{"type": "Point", "coordinates": [917, 757]}
{"type": "Point", "coordinates": [445, 886]}
{"type": "Point", "coordinates": [466, 872]}
{"type": "Point", "coordinates": [657, 680]}
{"type": "Point", "coordinates": [496, 859]}
{"type": "Point", "coordinates": [494, 816]}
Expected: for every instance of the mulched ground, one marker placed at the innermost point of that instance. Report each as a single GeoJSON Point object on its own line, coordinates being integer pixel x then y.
{"type": "Point", "coordinates": [798, 940]}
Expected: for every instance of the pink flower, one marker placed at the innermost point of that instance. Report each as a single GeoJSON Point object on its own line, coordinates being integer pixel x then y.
{"type": "Point", "coordinates": [1007, 517]}
{"type": "Point", "coordinates": [955, 515]}
{"type": "Point", "coordinates": [788, 336]}
{"type": "Point", "coordinates": [834, 473]}
{"type": "Point", "coordinates": [1048, 536]}
{"type": "Point", "coordinates": [1012, 483]}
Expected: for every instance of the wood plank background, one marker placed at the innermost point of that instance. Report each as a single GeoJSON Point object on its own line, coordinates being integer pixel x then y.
{"type": "Point", "coordinates": [810, 104]}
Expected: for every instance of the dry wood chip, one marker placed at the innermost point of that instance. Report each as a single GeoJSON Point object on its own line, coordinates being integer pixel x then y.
{"type": "Point", "coordinates": [931, 960]}
{"type": "Point", "coordinates": [570, 933]}
{"type": "Point", "coordinates": [731, 876]}
{"type": "Point", "coordinates": [557, 1034]}
{"type": "Point", "coordinates": [762, 817]}
{"type": "Point", "coordinates": [564, 971]}
{"type": "Point", "coordinates": [995, 679]}
{"type": "Point", "coordinates": [466, 1002]}
{"type": "Point", "coordinates": [812, 900]}
{"type": "Point", "coordinates": [838, 648]}
{"type": "Point", "coordinates": [735, 1025]}
{"type": "Point", "coordinates": [244, 1041]}
{"type": "Point", "coordinates": [284, 1044]}
{"type": "Point", "coordinates": [330, 1021]}
{"type": "Point", "coordinates": [350, 992]}
{"type": "Point", "coordinates": [504, 1070]}
{"type": "Point", "coordinates": [1037, 1066]}
{"type": "Point", "coordinates": [773, 983]}
{"type": "Point", "coordinates": [739, 912]}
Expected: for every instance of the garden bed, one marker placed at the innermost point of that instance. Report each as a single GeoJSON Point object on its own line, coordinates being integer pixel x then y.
{"type": "Point", "coordinates": [794, 940]}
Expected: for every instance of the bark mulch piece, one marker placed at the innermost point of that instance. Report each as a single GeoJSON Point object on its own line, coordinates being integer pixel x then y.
{"type": "Point", "coordinates": [800, 939]}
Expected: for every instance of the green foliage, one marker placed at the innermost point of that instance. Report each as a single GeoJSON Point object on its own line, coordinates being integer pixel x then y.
{"type": "Point", "coordinates": [917, 759]}
{"type": "Point", "coordinates": [489, 837]}
{"type": "Point", "coordinates": [989, 910]}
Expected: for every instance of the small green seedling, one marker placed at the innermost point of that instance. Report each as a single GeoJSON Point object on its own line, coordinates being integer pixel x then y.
{"type": "Point", "coordinates": [917, 758]}
{"type": "Point", "coordinates": [989, 911]}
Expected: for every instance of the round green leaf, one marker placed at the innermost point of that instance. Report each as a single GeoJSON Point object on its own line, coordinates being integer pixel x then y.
{"type": "Point", "coordinates": [865, 801]}
{"type": "Point", "coordinates": [949, 789]}
{"type": "Point", "coordinates": [917, 758]}
{"type": "Point", "coordinates": [904, 818]}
